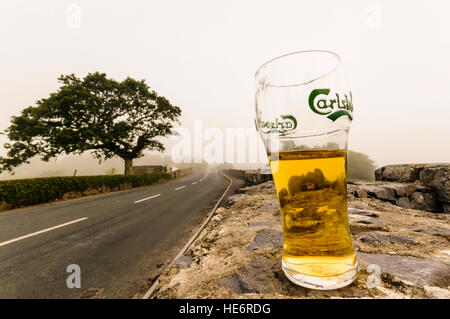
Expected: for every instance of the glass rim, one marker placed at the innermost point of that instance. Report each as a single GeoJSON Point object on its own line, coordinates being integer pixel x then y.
{"type": "Point", "coordinates": [335, 55]}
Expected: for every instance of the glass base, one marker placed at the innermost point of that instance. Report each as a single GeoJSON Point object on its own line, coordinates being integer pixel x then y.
{"type": "Point", "coordinates": [321, 283]}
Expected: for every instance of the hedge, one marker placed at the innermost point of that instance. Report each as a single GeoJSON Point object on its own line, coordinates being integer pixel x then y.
{"type": "Point", "coordinates": [23, 192]}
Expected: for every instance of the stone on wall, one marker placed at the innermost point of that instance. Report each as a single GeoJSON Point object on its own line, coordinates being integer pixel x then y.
{"type": "Point", "coordinates": [398, 173]}
{"type": "Point", "coordinates": [419, 186]}
{"type": "Point", "coordinates": [425, 201]}
{"type": "Point", "coordinates": [240, 256]}
{"type": "Point", "coordinates": [438, 178]}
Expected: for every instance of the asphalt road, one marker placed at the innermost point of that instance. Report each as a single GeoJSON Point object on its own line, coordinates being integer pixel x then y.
{"type": "Point", "coordinates": [119, 240]}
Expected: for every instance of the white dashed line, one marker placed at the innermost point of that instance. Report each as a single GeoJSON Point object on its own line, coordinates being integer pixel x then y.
{"type": "Point", "coordinates": [157, 282]}
{"type": "Point", "coordinates": [41, 231]}
{"type": "Point", "coordinates": [179, 188]}
{"type": "Point", "coordinates": [194, 183]}
{"type": "Point", "coordinates": [141, 200]}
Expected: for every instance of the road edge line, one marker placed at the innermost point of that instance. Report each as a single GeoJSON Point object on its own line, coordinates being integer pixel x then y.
{"type": "Point", "coordinates": [155, 285]}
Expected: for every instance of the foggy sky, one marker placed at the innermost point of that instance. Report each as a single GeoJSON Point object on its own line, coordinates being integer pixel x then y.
{"type": "Point", "coordinates": [202, 56]}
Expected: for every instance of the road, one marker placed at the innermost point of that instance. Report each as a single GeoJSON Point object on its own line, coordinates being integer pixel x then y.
{"type": "Point", "coordinates": [119, 240]}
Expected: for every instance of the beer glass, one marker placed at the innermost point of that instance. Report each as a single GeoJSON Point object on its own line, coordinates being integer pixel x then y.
{"type": "Point", "coordinates": [304, 109]}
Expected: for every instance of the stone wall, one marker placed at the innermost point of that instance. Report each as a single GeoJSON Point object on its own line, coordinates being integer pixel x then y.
{"type": "Point", "coordinates": [181, 172]}
{"type": "Point", "coordinates": [238, 255]}
{"type": "Point", "coordinates": [417, 186]}
{"type": "Point", "coordinates": [142, 169]}
{"type": "Point", "coordinates": [251, 177]}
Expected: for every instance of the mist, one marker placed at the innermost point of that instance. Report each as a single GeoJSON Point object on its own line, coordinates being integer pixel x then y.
{"type": "Point", "coordinates": [202, 56]}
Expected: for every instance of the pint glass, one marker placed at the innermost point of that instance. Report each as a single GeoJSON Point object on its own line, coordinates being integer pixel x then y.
{"type": "Point", "coordinates": [303, 113]}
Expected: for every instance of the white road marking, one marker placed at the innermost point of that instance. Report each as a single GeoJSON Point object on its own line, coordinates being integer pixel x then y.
{"type": "Point", "coordinates": [149, 292]}
{"type": "Point", "coordinates": [194, 183]}
{"type": "Point", "coordinates": [41, 231]}
{"type": "Point", "coordinates": [179, 188]}
{"type": "Point", "coordinates": [141, 200]}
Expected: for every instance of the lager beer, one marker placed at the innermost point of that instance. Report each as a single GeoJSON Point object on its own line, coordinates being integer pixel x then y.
{"type": "Point", "coordinates": [304, 109]}
{"type": "Point", "coordinates": [311, 188]}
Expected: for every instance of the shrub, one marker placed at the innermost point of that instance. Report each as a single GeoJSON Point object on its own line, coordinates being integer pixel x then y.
{"type": "Point", "coordinates": [360, 167]}
{"type": "Point", "coordinates": [23, 192]}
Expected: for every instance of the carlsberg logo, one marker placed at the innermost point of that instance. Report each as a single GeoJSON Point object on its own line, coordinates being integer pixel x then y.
{"type": "Point", "coordinates": [283, 126]}
{"type": "Point", "coordinates": [333, 106]}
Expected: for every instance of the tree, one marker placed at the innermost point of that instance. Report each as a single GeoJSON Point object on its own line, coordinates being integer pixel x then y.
{"type": "Point", "coordinates": [360, 166]}
{"type": "Point", "coordinates": [107, 117]}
